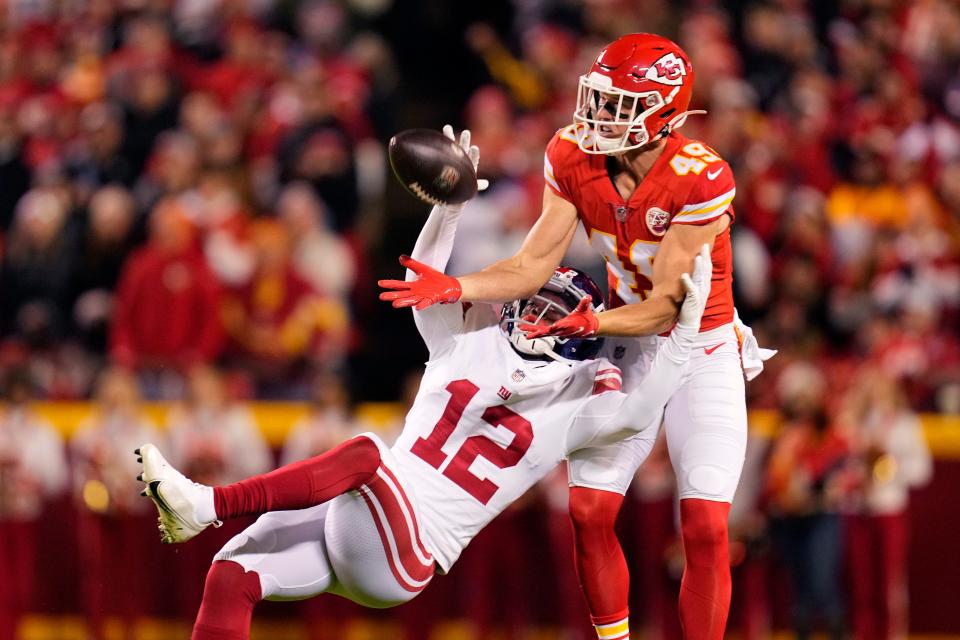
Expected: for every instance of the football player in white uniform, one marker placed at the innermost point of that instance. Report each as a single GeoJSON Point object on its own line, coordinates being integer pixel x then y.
{"type": "Point", "coordinates": [495, 413]}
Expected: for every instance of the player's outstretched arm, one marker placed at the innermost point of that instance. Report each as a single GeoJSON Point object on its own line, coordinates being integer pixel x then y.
{"type": "Point", "coordinates": [522, 274]}
{"type": "Point", "coordinates": [425, 283]}
{"type": "Point", "coordinates": [659, 311]}
{"type": "Point", "coordinates": [435, 243]}
{"type": "Point", "coordinates": [611, 417]}
{"type": "Point", "coordinates": [516, 277]}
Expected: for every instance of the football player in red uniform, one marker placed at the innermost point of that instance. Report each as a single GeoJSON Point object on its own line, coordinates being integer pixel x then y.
{"type": "Point", "coordinates": [648, 198]}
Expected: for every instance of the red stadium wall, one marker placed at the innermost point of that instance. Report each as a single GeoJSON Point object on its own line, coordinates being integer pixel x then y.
{"type": "Point", "coordinates": [934, 561]}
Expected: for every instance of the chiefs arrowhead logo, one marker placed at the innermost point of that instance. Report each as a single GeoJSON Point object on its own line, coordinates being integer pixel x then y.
{"type": "Point", "coordinates": [669, 69]}
{"type": "Point", "coordinates": [658, 221]}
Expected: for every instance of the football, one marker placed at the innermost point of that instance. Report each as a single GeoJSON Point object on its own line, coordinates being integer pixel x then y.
{"type": "Point", "coordinates": [432, 167]}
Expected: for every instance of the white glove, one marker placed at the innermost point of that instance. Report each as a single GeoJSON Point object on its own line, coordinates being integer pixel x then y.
{"type": "Point", "coordinates": [472, 150]}
{"type": "Point", "coordinates": [698, 291]}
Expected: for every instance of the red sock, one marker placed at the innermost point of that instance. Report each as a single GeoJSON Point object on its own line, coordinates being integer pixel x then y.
{"type": "Point", "coordinates": [302, 484]}
{"type": "Point", "coordinates": [229, 596]}
{"type": "Point", "coordinates": [601, 567]}
{"type": "Point", "coordinates": [705, 590]}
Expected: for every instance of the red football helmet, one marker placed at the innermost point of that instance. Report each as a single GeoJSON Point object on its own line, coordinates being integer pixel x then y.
{"type": "Point", "coordinates": [637, 91]}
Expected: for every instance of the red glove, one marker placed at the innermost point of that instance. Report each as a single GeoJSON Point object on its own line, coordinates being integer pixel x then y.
{"type": "Point", "coordinates": [580, 323]}
{"type": "Point", "coordinates": [430, 287]}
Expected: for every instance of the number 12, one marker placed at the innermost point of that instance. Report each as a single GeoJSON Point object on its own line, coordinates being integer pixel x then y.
{"type": "Point", "coordinates": [429, 449]}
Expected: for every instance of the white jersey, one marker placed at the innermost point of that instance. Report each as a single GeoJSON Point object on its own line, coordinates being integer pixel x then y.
{"type": "Point", "coordinates": [487, 424]}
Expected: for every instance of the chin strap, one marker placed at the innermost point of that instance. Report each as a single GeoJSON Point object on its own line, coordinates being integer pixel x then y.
{"type": "Point", "coordinates": [531, 346]}
{"type": "Point", "coordinates": [677, 121]}
{"type": "Point", "coordinates": [542, 346]}
{"type": "Point", "coordinates": [557, 357]}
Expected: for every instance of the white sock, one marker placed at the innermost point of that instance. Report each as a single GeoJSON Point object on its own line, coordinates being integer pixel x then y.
{"type": "Point", "coordinates": [203, 508]}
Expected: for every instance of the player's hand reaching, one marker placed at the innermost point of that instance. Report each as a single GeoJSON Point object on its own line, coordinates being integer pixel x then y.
{"type": "Point", "coordinates": [430, 287]}
{"type": "Point", "coordinates": [697, 288]}
{"type": "Point", "coordinates": [581, 322]}
{"type": "Point", "coordinates": [473, 151]}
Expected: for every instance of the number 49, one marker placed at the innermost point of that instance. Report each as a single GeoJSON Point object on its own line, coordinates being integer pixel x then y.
{"type": "Point", "coordinates": [696, 159]}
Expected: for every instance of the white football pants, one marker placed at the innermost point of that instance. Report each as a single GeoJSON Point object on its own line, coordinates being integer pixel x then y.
{"type": "Point", "coordinates": [705, 420]}
{"type": "Point", "coordinates": [363, 545]}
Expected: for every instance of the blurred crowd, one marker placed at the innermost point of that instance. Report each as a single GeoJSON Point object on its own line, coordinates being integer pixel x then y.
{"type": "Point", "coordinates": [193, 182]}
{"type": "Point", "coordinates": [194, 204]}
{"type": "Point", "coordinates": [180, 188]}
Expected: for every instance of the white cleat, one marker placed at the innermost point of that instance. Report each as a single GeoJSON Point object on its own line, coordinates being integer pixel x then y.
{"type": "Point", "coordinates": [177, 497]}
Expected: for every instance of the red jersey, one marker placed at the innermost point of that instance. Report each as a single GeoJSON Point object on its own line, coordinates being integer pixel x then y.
{"type": "Point", "coordinates": [688, 184]}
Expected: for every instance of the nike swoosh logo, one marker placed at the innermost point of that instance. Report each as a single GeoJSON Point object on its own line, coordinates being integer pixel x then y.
{"type": "Point", "coordinates": [713, 174]}
{"type": "Point", "coordinates": [154, 486]}
{"type": "Point", "coordinates": [713, 348]}
{"type": "Point", "coordinates": [154, 489]}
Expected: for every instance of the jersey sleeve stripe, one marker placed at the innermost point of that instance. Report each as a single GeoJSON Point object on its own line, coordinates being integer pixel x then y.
{"type": "Point", "coordinates": [548, 174]}
{"type": "Point", "coordinates": [612, 375]}
{"type": "Point", "coordinates": [547, 165]}
{"type": "Point", "coordinates": [609, 379]}
{"type": "Point", "coordinates": [709, 204]}
{"type": "Point", "coordinates": [703, 214]}
{"type": "Point", "coordinates": [710, 215]}
{"type": "Point", "coordinates": [608, 384]}
{"type": "Point", "coordinates": [553, 183]}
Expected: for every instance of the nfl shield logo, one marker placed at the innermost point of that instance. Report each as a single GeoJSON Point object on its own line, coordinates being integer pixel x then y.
{"type": "Point", "coordinates": [518, 376]}
{"type": "Point", "coordinates": [447, 179]}
{"type": "Point", "coordinates": [621, 212]}
{"type": "Point", "coordinates": [619, 351]}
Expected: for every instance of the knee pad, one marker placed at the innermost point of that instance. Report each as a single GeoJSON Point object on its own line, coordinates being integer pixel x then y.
{"type": "Point", "coordinates": [710, 465]}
